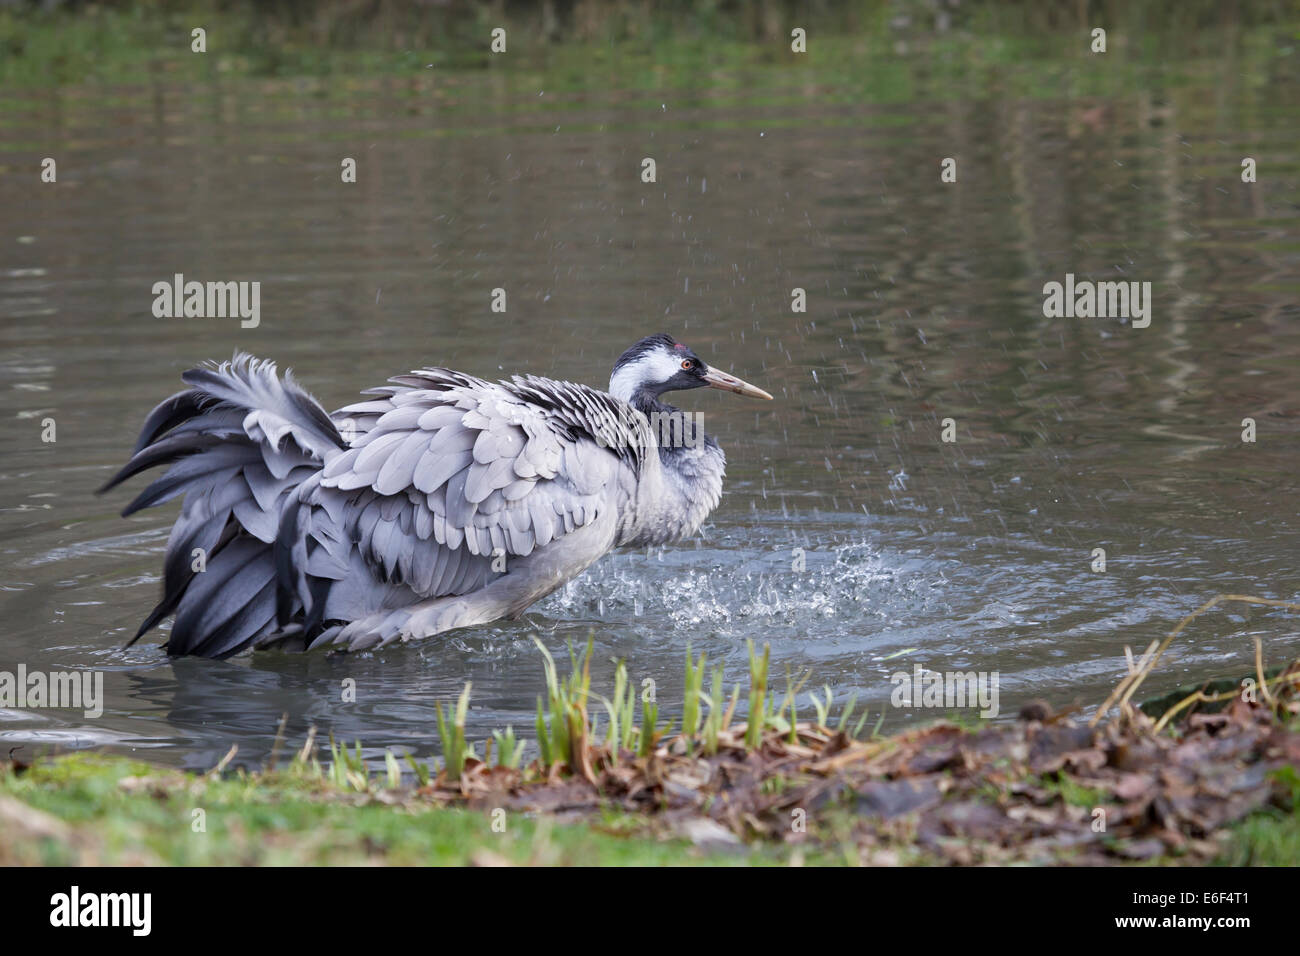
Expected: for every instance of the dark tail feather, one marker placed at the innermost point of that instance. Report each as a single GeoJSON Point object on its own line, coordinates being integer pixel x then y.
{"type": "Point", "coordinates": [241, 629]}
{"type": "Point", "coordinates": [285, 574]}
{"type": "Point", "coordinates": [226, 439]}
{"type": "Point", "coordinates": [178, 566]}
{"type": "Point", "coordinates": [169, 413]}
{"type": "Point", "coordinates": [225, 600]}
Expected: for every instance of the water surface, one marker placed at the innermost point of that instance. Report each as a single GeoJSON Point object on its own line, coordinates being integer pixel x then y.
{"type": "Point", "coordinates": [924, 303]}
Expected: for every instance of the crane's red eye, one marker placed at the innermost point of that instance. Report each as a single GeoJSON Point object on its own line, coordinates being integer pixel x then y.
{"type": "Point", "coordinates": [688, 364]}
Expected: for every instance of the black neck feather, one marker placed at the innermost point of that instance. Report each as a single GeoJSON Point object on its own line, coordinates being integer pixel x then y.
{"type": "Point", "coordinates": [678, 432]}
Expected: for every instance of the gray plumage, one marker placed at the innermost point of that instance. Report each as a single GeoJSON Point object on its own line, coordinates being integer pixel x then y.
{"type": "Point", "coordinates": [442, 501]}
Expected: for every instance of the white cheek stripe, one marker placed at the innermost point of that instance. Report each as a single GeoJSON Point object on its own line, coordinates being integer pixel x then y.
{"type": "Point", "coordinates": [657, 366]}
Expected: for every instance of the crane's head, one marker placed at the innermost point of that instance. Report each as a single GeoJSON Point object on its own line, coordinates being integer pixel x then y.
{"type": "Point", "coordinates": [660, 364]}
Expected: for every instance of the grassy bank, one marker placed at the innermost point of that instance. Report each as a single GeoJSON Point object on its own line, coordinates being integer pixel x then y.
{"type": "Point", "coordinates": [1207, 774]}
{"type": "Point", "coordinates": [873, 50]}
{"type": "Point", "coordinates": [88, 809]}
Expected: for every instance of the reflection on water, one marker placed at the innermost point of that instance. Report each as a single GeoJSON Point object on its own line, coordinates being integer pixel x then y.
{"type": "Point", "coordinates": [851, 537]}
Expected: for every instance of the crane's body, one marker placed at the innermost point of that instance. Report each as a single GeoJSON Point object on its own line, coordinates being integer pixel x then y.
{"type": "Point", "coordinates": [443, 501]}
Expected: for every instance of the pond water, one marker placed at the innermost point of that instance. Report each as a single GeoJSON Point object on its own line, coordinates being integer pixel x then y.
{"type": "Point", "coordinates": [852, 538]}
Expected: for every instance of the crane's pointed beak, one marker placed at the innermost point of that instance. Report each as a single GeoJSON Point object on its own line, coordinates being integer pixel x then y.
{"type": "Point", "coordinates": [729, 383]}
